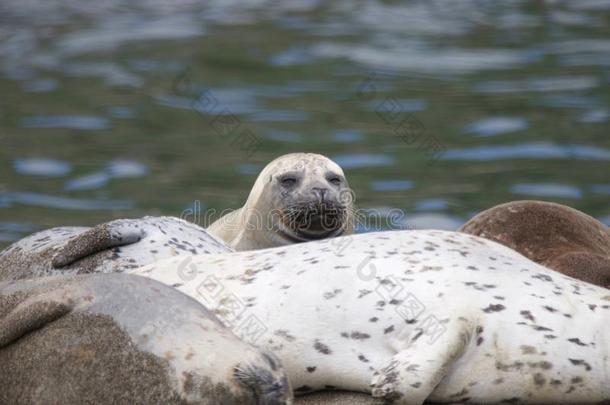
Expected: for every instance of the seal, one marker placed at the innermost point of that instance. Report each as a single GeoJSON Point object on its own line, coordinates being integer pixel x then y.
{"type": "Point", "coordinates": [116, 338]}
{"type": "Point", "coordinates": [109, 247]}
{"type": "Point", "coordinates": [297, 197]}
{"type": "Point", "coordinates": [553, 235]}
{"type": "Point", "coordinates": [410, 316]}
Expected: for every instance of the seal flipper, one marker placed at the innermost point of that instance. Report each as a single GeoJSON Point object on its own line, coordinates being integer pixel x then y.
{"type": "Point", "coordinates": [415, 371]}
{"type": "Point", "coordinates": [27, 317]}
{"type": "Point", "coordinates": [101, 237]}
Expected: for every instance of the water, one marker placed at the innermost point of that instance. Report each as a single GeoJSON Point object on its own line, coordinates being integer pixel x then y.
{"type": "Point", "coordinates": [438, 109]}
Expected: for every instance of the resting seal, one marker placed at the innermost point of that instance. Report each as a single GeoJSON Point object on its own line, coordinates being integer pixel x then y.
{"type": "Point", "coordinates": [553, 235]}
{"type": "Point", "coordinates": [297, 197]}
{"type": "Point", "coordinates": [116, 338]}
{"type": "Point", "coordinates": [109, 247]}
{"type": "Point", "coordinates": [412, 316]}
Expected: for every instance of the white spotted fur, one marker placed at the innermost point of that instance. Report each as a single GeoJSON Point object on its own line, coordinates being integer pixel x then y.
{"type": "Point", "coordinates": [293, 291]}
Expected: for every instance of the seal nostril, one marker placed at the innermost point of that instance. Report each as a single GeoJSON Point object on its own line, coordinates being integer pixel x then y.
{"type": "Point", "coordinates": [319, 192]}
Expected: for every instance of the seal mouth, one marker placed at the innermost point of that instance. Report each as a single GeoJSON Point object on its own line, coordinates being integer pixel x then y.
{"type": "Point", "coordinates": [314, 220]}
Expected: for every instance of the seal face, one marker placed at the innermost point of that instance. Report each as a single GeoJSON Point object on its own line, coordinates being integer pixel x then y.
{"type": "Point", "coordinates": [553, 235]}
{"type": "Point", "coordinates": [115, 338]}
{"type": "Point", "coordinates": [413, 315]}
{"type": "Point", "coordinates": [297, 197]}
{"type": "Point", "coordinates": [109, 247]}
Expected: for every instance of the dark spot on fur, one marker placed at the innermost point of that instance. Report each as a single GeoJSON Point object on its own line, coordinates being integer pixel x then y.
{"type": "Point", "coordinates": [528, 349]}
{"type": "Point", "coordinates": [577, 341]}
{"type": "Point", "coordinates": [321, 347]}
{"type": "Point", "coordinates": [359, 335]}
{"type": "Point", "coordinates": [550, 337]}
{"type": "Point", "coordinates": [494, 308]}
{"type": "Point", "coordinates": [579, 362]}
{"type": "Point", "coordinates": [541, 328]}
{"type": "Point", "coordinates": [417, 336]}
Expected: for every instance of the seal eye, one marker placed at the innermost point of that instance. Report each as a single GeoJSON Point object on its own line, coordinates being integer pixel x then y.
{"type": "Point", "coordinates": [288, 181]}
{"type": "Point", "coordinates": [335, 180]}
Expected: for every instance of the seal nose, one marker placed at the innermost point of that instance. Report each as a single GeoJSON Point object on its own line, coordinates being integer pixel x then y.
{"type": "Point", "coordinates": [319, 192]}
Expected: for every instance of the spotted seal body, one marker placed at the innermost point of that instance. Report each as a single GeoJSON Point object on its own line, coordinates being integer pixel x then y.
{"type": "Point", "coordinates": [116, 338]}
{"type": "Point", "coordinates": [109, 247]}
{"type": "Point", "coordinates": [554, 235]}
{"type": "Point", "coordinates": [413, 316]}
{"type": "Point", "coordinates": [297, 197]}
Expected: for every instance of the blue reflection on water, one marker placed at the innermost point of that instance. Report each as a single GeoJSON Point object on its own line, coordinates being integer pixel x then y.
{"type": "Point", "coordinates": [40, 85]}
{"type": "Point", "coordinates": [12, 231]}
{"type": "Point", "coordinates": [357, 161]}
{"type": "Point", "coordinates": [496, 126]}
{"type": "Point", "coordinates": [121, 168]}
{"type": "Point", "coordinates": [528, 150]}
{"type": "Point", "coordinates": [88, 182]}
{"type": "Point", "coordinates": [292, 56]}
{"type": "Point", "coordinates": [51, 201]}
{"type": "Point", "coordinates": [347, 136]}
{"type": "Point", "coordinates": [66, 121]}
{"type": "Point", "coordinates": [547, 190]}
{"type": "Point", "coordinates": [392, 185]}
{"type": "Point", "coordinates": [42, 167]}
{"type": "Point", "coordinates": [120, 112]}
{"type": "Point", "coordinates": [601, 188]}
{"type": "Point", "coordinates": [433, 220]}
{"type": "Point", "coordinates": [398, 106]}
{"type": "Point", "coordinates": [594, 116]}
{"type": "Point", "coordinates": [248, 169]}
{"type": "Point", "coordinates": [114, 169]}
{"type": "Point", "coordinates": [283, 136]}
{"type": "Point", "coordinates": [432, 204]}
{"type": "Point", "coordinates": [538, 84]}
{"type": "Point", "coordinates": [279, 116]}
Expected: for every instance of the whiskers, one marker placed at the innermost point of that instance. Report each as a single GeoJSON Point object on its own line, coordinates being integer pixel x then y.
{"type": "Point", "coordinates": [314, 220]}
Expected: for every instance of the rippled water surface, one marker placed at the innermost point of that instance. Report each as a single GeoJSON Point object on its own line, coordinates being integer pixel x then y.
{"type": "Point", "coordinates": [437, 108]}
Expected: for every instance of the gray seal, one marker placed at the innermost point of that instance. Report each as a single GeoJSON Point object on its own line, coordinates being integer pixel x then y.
{"type": "Point", "coordinates": [297, 197]}
{"type": "Point", "coordinates": [122, 339]}
{"type": "Point", "coordinates": [106, 248]}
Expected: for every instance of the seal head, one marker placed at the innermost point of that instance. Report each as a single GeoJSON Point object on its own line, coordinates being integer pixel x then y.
{"type": "Point", "coordinates": [297, 197]}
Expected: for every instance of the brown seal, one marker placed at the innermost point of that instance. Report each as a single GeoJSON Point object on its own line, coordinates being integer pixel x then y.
{"type": "Point", "coordinates": [556, 236]}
